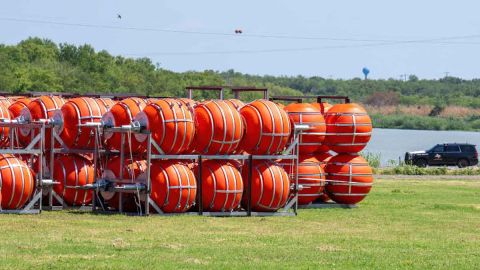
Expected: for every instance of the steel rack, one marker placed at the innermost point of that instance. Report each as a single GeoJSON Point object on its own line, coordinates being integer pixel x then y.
{"type": "Point", "coordinates": [36, 148]}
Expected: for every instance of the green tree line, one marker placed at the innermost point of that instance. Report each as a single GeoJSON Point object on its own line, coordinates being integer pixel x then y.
{"type": "Point", "coordinates": [37, 64]}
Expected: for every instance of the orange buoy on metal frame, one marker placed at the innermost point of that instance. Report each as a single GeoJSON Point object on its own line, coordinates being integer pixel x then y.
{"type": "Point", "coordinates": [133, 172]}
{"type": "Point", "coordinates": [349, 128]}
{"type": "Point", "coordinates": [270, 186]}
{"type": "Point", "coordinates": [170, 123]}
{"type": "Point", "coordinates": [73, 115]}
{"type": "Point", "coordinates": [123, 113]}
{"type": "Point", "coordinates": [349, 178]}
{"type": "Point", "coordinates": [17, 182]}
{"type": "Point", "coordinates": [267, 128]}
{"type": "Point", "coordinates": [219, 128]}
{"type": "Point", "coordinates": [323, 158]}
{"type": "Point", "coordinates": [222, 186]}
{"type": "Point", "coordinates": [190, 103]}
{"type": "Point", "coordinates": [173, 184]}
{"type": "Point", "coordinates": [42, 108]}
{"type": "Point", "coordinates": [306, 114]}
{"type": "Point", "coordinates": [16, 107]}
{"type": "Point", "coordinates": [72, 171]}
{"type": "Point", "coordinates": [4, 131]}
{"type": "Point", "coordinates": [311, 177]}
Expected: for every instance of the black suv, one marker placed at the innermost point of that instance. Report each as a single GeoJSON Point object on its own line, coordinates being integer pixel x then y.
{"type": "Point", "coordinates": [460, 154]}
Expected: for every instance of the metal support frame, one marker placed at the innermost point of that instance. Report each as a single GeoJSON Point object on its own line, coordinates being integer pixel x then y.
{"type": "Point", "coordinates": [319, 99]}
{"type": "Point", "coordinates": [55, 200]}
{"type": "Point", "coordinates": [35, 147]}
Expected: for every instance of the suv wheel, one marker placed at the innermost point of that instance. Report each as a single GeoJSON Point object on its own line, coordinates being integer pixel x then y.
{"type": "Point", "coordinates": [462, 163]}
{"type": "Point", "coordinates": [420, 163]}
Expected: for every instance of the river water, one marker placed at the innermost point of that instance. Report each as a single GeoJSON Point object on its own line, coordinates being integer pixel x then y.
{"type": "Point", "coordinates": [391, 144]}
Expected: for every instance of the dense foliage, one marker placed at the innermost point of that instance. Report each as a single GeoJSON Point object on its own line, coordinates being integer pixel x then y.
{"type": "Point", "coordinates": [41, 65]}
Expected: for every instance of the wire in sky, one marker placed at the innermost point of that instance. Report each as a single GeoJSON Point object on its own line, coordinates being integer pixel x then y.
{"type": "Point", "coordinates": [115, 27]}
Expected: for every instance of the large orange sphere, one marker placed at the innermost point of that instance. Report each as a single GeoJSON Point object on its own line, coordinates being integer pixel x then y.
{"type": "Point", "coordinates": [311, 177]}
{"type": "Point", "coordinates": [222, 186]}
{"type": "Point", "coordinates": [4, 131]}
{"type": "Point", "coordinates": [349, 128]}
{"type": "Point", "coordinates": [174, 188]}
{"type": "Point", "coordinates": [133, 172]}
{"type": "Point", "coordinates": [5, 101]}
{"type": "Point", "coordinates": [323, 158]}
{"type": "Point", "coordinates": [71, 171]}
{"type": "Point", "coordinates": [41, 108]}
{"type": "Point", "coordinates": [219, 128]}
{"type": "Point", "coordinates": [303, 113]}
{"type": "Point", "coordinates": [349, 178]}
{"type": "Point", "coordinates": [171, 124]}
{"type": "Point", "coordinates": [17, 182]}
{"type": "Point", "coordinates": [270, 186]}
{"type": "Point", "coordinates": [16, 107]}
{"type": "Point", "coordinates": [123, 113]}
{"type": "Point", "coordinates": [75, 113]}
{"type": "Point", "coordinates": [267, 128]}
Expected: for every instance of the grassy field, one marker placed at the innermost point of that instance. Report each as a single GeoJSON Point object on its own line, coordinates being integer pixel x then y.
{"type": "Point", "coordinates": [404, 224]}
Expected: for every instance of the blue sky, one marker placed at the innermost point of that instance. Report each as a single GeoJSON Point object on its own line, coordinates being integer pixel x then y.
{"type": "Point", "coordinates": [322, 38]}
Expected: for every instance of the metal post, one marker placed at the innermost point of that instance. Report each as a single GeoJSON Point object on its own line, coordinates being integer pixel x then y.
{"type": "Point", "coordinates": [200, 186]}
{"type": "Point", "coordinates": [249, 186]}
{"type": "Point", "coordinates": [148, 180]}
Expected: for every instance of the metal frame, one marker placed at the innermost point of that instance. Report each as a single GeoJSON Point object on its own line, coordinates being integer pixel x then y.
{"type": "Point", "coordinates": [35, 147]}
{"type": "Point", "coordinates": [63, 149]}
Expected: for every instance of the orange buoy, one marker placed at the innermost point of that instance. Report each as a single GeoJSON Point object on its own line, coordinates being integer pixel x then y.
{"type": "Point", "coordinates": [311, 177]}
{"type": "Point", "coordinates": [236, 103]}
{"type": "Point", "coordinates": [72, 171]}
{"type": "Point", "coordinates": [349, 178]}
{"type": "Point", "coordinates": [173, 186]}
{"type": "Point", "coordinates": [16, 107]}
{"type": "Point", "coordinates": [349, 128]}
{"type": "Point", "coordinates": [17, 182]}
{"type": "Point", "coordinates": [222, 186]}
{"type": "Point", "coordinates": [270, 186]}
{"type": "Point", "coordinates": [305, 114]}
{"type": "Point", "coordinates": [4, 131]}
{"type": "Point", "coordinates": [267, 128]}
{"type": "Point", "coordinates": [133, 172]}
{"type": "Point", "coordinates": [170, 123]}
{"type": "Point", "coordinates": [75, 113]}
{"type": "Point", "coordinates": [41, 108]}
{"type": "Point", "coordinates": [219, 128]}
{"type": "Point", "coordinates": [121, 114]}
{"type": "Point", "coordinates": [106, 102]}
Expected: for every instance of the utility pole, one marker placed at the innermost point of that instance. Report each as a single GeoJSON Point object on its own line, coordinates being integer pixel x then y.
{"type": "Point", "coordinates": [446, 74]}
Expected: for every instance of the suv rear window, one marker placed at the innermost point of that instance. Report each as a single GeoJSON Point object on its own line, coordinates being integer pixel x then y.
{"type": "Point", "coordinates": [452, 148]}
{"type": "Point", "coordinates": [467, 148]}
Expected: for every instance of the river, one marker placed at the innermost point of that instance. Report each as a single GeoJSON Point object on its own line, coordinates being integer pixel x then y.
{"type": "Point", "coordinates": [393, 143]}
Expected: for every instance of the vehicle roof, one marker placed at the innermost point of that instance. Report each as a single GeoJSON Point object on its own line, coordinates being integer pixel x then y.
{"type": "Point", "coordinates": [456, 144]}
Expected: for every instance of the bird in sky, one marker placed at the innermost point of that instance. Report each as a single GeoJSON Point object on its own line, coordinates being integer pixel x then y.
{"type": "Point", "coordinates": [238, 31]}
{"type": "Point", "coordinates": [119, 16]}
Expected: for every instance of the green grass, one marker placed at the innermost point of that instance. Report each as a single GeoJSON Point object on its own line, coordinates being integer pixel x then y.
{"type": "Point", "coordinates": [403, 224]}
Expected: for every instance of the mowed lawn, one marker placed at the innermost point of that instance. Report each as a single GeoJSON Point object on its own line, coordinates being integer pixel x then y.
{"type": "Point", "coordinates": [403, 224]}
